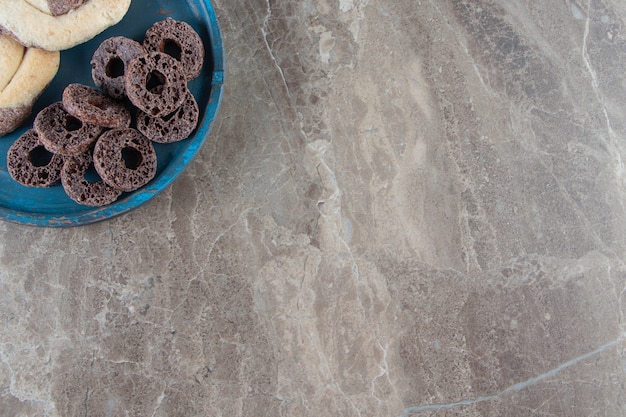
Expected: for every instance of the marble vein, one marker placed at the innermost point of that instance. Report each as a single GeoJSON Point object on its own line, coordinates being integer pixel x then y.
{"type": "Point", "coordinates": [519, 386]}
{"type": "Point", "coordinates": [264, 30]}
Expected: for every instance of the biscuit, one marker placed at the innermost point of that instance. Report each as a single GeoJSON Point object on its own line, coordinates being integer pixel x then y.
{"type": "Point", "coordinates": [11, 54]}
{"type": "Point", "coordinates": [155, 83]}
{"type": "Point", "coordinates": [179, 40]}
{"type": "Point", "coordinates": [79, 188]}
{"type": "Point", "coordinates": [125, 159]}
{"type": "Point", "coordinates": [11, 119]}
{"type": "Point", "coordinates": [29, 163]}
{"type": "Point", "coordinates": [95, 107]}
{"type": "Point", "coordinates": [62, 133]}
{"type": "Point", "coordinates": [110, 61]}
{"type": "Point", "coordinates": [173, 127]}
{"type": "Point", "coordinates": [33, 27]}
{"type": "Point", "coordinates": [57, 7]}
{"type": "Point", "coordinates": [35, 72]}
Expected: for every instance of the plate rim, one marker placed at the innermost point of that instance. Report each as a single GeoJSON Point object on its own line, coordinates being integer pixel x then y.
{"type": "Point", "coordinates": [167, 176]}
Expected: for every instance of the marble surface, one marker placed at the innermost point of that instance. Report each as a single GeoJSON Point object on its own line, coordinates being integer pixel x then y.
{"type": "Point", "coordinates": [405, 208]}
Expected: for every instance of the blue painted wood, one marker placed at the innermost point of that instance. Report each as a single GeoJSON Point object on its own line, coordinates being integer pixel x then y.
{"type": "Point", "coordinates": [51, 207]}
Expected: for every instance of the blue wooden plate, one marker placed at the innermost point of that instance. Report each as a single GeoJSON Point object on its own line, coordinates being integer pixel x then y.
{"type": "Point", "coordinates": [51, 206]}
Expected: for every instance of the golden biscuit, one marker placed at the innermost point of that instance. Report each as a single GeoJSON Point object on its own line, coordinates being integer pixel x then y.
{"type": "Point", "coordinates": [37, 69]}
{"type": "Point", "coordinates": [33, 27]}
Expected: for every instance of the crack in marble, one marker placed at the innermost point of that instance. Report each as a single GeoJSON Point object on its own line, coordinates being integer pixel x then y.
{"type": "Point", "coordinates": [618, 295]}
{"type": "Point", "coordinates": [384, 371]}
{"type": "Point", "coordinates": [12, 380]}
{"type": "Point", "coordinates": [333, 215]}
{"type": "Point", "coordinates": [159, 402]}
{"type": "Point", "coordinates": [594, 78]}
{"type": "Point", "coordinates": [516, 387]}
{"type": "Point", "coordinates": [264, 31]}
{"type": "Point", "coordinates": [585, 54]}
{"type": "Point", "coordinates": [88, 389]}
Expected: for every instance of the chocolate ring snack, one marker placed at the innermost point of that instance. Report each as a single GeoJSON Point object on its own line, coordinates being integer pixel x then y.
{"type": "Point", "coordinates": [79, 188]}
{"type": "Point", "coordinates": [29, 163]}
{"type": "Point", "coordinates": [95, 107]}
{"type": "Point", "coordinates": [125, 159]}
{"type": "Point", "coordinates": [62, 133]}
{"type": "Point", "coordinates": [179, 40]}
{"type": "Point", "coordinates": [89, 131]}
{"type": "Point", "coordinates": [109, 63]}
{"type": "Point", "coordinates": [172, 127]}
{"type": "Point", "coordinates": [155, 83]}
{"type": "Point", "coordinates": [35, 71]}
{"type": "Point", "coordinates": [34, 27]}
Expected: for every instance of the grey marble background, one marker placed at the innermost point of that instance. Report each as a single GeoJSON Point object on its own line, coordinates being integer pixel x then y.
{"type": "Point", "coordinates": [405, 208]}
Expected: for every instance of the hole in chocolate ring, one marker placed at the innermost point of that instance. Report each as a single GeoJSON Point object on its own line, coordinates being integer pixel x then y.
{"type": "Point", "coordinates": [115, 67]}
{"type": "Point", "coordinates": [132, 157]}
{"type": "Point", "coordinates": [171, 48]}
{"type": "Point", "coordinates": [40, 156]}
{"type": "Point", "coordinates": [155, 82]}
{"type": "Point", "coordinates": [72, 123]}
{"type": "Point", "coordinates": [91, 175]}
{"type": "Point", "coordinates": [170, 116]}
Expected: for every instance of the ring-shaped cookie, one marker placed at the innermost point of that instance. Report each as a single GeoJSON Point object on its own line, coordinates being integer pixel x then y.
{"type": "Point", "coordinates": [156, 84]}
{"type": "Point", "coordinates": [175, 126]}
{"type": "Point", "coordinates": [125, 159]}
{"type": "Point", "coordinates": [110, 61]}
{"type": "Point", "coordinates": [179, 40]}
{"type": "Point", "coordinates": [62, 133]}
{"type": "Point", "coordinates": [30, 164]}
{"type": "Point", "coordinates": [95, 107]}
{"type": "Point", "coordinates": [79, 188]}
